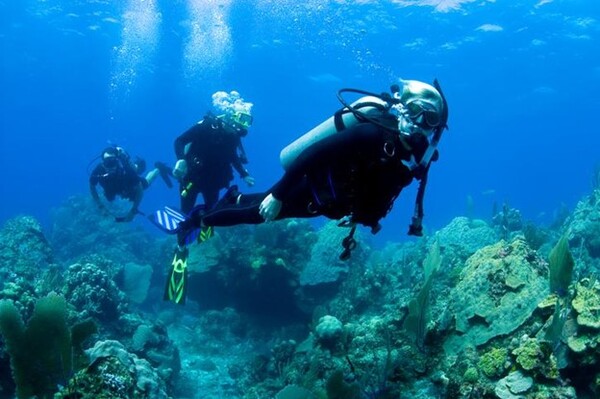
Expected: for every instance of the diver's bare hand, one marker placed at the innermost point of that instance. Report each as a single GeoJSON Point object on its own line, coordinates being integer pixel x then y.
{"type": "Point", "coordinates": [269, 208]}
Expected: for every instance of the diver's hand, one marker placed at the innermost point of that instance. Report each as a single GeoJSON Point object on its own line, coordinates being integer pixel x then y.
{"type": "Point", "coordinates": [269, 208]}
{"type": "Point", "coordinates": [180, 169]}
{"type": "Point", "coordinates": [249, 180]}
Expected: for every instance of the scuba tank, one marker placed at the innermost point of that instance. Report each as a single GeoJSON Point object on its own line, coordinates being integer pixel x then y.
{"type": "Point", "coordinates": [370, 107]}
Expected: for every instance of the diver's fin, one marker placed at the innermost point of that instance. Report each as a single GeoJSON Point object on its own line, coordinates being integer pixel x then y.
{"type": "Point", "coordinates": [175, 290]}
{"type": "Point", "coordinates": [167, 219]}
{"type": "Point", "coordinates": [165, 173]}
{"type": "Point", "coordinates": [199, 234]}
{"type": "Point", "coordinates": [205, 233]}
{"type": "Point", "coordinates": [192, 235]}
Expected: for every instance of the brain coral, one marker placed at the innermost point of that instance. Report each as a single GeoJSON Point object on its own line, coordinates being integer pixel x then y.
{"type": "Point", "coordinates": [499, 289]}
{"type": "Point", "coordinates": [587, 303]}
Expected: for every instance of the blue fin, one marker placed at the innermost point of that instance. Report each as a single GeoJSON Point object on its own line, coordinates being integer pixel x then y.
{"type": "Point", "coordinates": [192, 235]}
{"type": "Point", "coordinates": [167, 219]}
{"type": "Point", "coordinates": [196, 232]}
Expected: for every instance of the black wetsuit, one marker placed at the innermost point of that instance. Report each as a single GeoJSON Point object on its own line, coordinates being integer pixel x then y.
{"type": "Point", "coordinates": [357, 171]}
{"type": "Point", "coordinates": [122, 181]}
{"type": "Point", "coordinates": [209, 151]}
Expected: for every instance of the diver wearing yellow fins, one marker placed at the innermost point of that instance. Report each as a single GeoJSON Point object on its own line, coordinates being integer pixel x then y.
{"type": "Point", "coordinates": [350, 168]}
{"type": "Point", "coordinates": [206, 154]}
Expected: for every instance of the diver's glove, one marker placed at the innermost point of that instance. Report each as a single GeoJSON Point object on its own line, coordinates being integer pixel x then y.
{"type": "Point", "coordinates": [180, 169]}
{"type": "Point", "coordinates": [249, 180]}
{"type": "Point", "coordinates": [269, 208]}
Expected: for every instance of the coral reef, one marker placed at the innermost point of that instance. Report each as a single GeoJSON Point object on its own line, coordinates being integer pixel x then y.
{"type": "Point", "coordinates": [23, 247]}
{"type": "Point", "coordinates": [114, 373]}
{"type": "Point", "coordinates": [499, 289]}
{"type": "Point", "coordinates": [462, 237]}
{"type": "Point", "coordinates": [48, 312]}
{"type": "Point", "coordinates": [507, 221]}
{"type": "Point", "coordinates": [78, 227]}
{"type": "Point", "coordinates": [324, 252]}
{"type": "Point", "coordinates": [26, 263]}
{"type": "Point", "coordinates": [272, 312]}
{"type": "Point", "coordinates": [584, 224]}
{"type": "Point", "coordinates": [329, 331]}
{"type": "Point", "coordinates": [41, 352]}
{"type": "Point", "coordinates": [92, 290]}
{"type": "Point", "coordinates": [136, 281]}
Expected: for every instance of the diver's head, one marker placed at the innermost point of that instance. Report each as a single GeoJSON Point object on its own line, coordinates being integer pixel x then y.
{"type": "Point", "coordinates": [110, 159]}
{"type": "Point", "coordinates": [420, 109]}
{"type": "Point", "coordinates": [233, 111]}
{"type": "Point", "coordinates": [238, 122]}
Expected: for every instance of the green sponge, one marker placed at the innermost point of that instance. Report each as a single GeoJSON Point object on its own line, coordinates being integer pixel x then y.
{"type": "Point", "coordinates": [561, 267]}
{"type": "Point", "coordinates": [41, 353]}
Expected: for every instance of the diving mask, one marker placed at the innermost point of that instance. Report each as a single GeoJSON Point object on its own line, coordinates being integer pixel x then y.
{"type": "Point", "coordinates": [241, 119]}
{"type": "Point", "coordinates": [423, 114]}
{"type": "Point", "coordinates": [110, 162]}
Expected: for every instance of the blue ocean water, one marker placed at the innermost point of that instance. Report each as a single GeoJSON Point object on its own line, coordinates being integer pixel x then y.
{"type": "Point", "coordinates": [522, 79]}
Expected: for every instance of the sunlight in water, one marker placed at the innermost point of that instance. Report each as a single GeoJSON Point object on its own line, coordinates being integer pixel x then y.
{"type": "Point", "coordinates": [208, 47]}
{"type": "Point", "coordinates": [139, 41]}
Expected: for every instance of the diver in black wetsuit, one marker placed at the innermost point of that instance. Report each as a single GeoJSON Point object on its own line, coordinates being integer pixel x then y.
{"type": "Point", "coordinates": [119, 175]}
{"type": "Point", "coordinates": [354, 174]}
{"type": "Point", "coordinates": [206, 153]}
{"type": "Point", "coordinates": [350, 168]}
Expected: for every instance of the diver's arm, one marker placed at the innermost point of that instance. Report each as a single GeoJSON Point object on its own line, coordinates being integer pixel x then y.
{"type": "Point", "coordinates": [238, 162]}
{"type": "Point", "coordinates": [186, 138]}
{"type": "Point", "coordinates": [237, 165]}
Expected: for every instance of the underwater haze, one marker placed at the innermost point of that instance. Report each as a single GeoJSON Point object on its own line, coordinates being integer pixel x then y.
{"type": "Point", "coordinates": [521, 77]}
{"type": "Point", "coordinates": [499, 299]}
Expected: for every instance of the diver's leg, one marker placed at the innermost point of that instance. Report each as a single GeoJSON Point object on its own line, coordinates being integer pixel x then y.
{"type": "Point", "coordinates": [244, 208]}
{"type": "Point", "coordinates": [242, 211]}
{"type": "Point", "coordinates": [187, 202]}
{"type": "Point", "coordinates": [211, 197]}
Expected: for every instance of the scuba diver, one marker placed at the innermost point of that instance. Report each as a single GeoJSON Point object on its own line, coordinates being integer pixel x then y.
{"type": "Point", "coordinates": [350, 168]}
{"type": "Point", "coordinates": [207, 151]}
{"type": "Point", "coordinates": [119, 175]}
{"type": "Point", "coordinates": [206, 155]}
